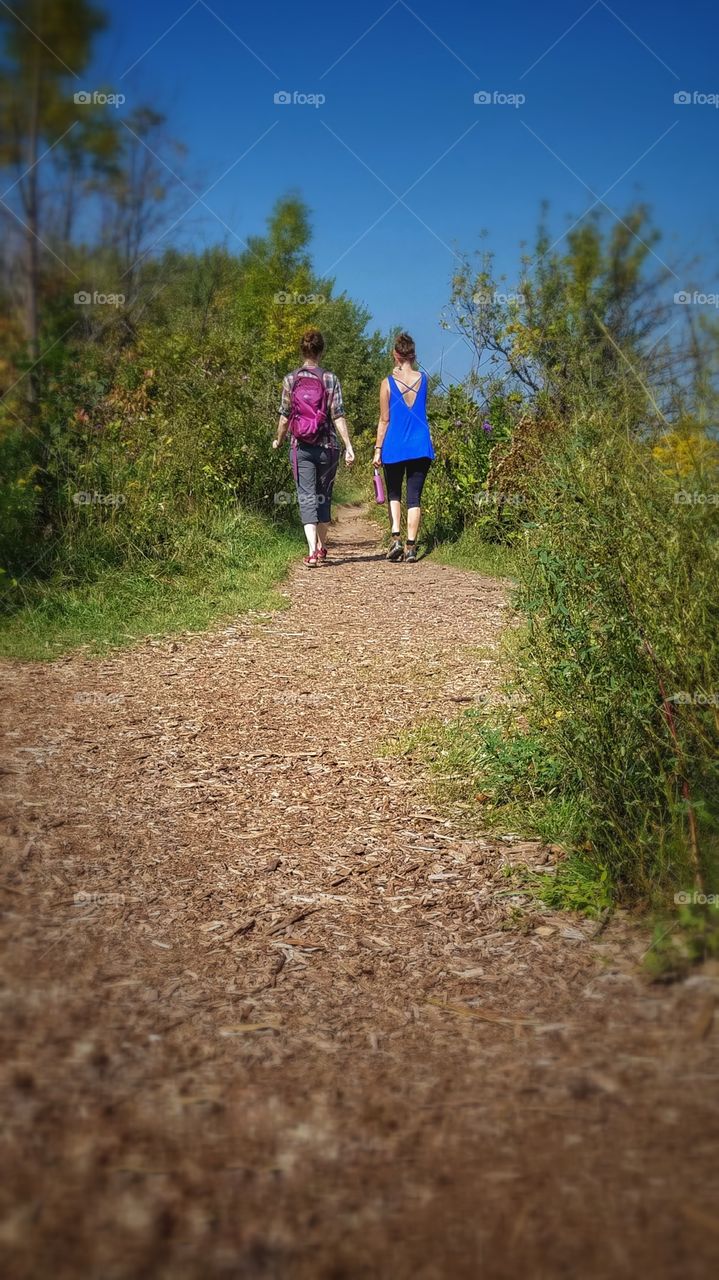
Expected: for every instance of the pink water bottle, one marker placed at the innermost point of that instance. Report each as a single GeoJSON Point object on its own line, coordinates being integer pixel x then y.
{"type": "Point", "coordinates": [379, 487]}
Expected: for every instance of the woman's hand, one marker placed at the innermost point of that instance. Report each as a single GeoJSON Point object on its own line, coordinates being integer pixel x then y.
{"type": "Point", "coordinates": [275, 444]}
{"type": "Point", "coordinates": [349, 455]}
{"type": "Point", "coordinates": [377, 456]}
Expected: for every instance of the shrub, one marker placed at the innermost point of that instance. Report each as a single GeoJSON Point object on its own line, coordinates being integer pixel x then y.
{"type": "Point", "coordinates": [464, 438]}
{"type": "Point", "coordinates": [20, 499]}
{"type": "Point", "coordinates": [621, 657]}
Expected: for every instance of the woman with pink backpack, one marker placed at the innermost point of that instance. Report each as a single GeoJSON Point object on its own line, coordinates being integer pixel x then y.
{"type": "Point", "coordinates": [312, 411]}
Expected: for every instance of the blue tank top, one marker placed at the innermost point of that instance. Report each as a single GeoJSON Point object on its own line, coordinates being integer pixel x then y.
{"type": "Point", "coordinates": [408, 431]}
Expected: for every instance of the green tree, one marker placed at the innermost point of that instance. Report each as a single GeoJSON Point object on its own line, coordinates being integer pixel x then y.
{"type": "Point", "coordinates": [582, 320]}
{"type": "Point", "coordinates": [46, 45]}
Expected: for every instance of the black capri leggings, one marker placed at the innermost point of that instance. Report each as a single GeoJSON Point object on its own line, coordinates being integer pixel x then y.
{"type": "Point", "coordinates": [416, 470]}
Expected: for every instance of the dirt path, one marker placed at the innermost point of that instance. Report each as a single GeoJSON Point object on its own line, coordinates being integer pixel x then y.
{"type": "Point", "coordinates": [264, 1015]}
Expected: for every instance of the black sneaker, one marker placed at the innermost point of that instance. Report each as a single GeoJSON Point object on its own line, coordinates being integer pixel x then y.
{"type": "Point", "coordinates": [410, 555]}
{"type": "Point", "coordinates": [396, 551]}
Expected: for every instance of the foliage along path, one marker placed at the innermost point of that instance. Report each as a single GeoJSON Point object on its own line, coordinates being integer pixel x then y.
{"type": "Point", "coordinates": [288, 1028]}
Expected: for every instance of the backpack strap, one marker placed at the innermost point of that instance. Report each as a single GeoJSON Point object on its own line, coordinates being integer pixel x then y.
{"type": "Point", "coordinates": [316, 371]}
{"type": "Point", "coordinates": [296, 373]}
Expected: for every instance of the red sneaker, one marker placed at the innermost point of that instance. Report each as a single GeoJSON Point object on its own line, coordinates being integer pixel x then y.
{"type": "Point", "coordinates": [321, 555]}
{"type": "Point", "coordinates": [311, 561]}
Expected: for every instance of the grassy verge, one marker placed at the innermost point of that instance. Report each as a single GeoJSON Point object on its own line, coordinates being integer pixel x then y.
{"type": "Point", "coordinates": [469, 551]}
{"type": "Point", "coordinates": [502, 778]}
{"type": "Point", "coordinates": [496, 560]}
{"type": "Point", "coordinates": [230, 565]}
{"type": "Point", "coordinates": [353, 484]}
{"type": "Point", "coordinates": [500, 775]}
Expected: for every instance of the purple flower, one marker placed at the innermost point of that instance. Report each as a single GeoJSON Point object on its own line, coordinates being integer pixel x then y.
{"type": "Point", "coordinates": [486, 426]}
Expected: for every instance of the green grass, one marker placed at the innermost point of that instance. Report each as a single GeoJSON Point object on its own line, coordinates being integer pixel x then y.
{"type": "Point", "coordinates": [229, 566]}
{"type": "Point", "coordinates": [469, 551]}
{"type": "Point", "coordinates": [500, 773]}
{"type": "Point", "coordinates": [578, 885]}
{"type": "Point", "coordinates": [683, 940]}
{"type": "Point", "coordinates": [496, 560]}
{"type": "Point", "coordinates": [353, 484]}
{"type": "Point", "coordinates": [502, 778]}
{"type": "Point", "coordinates": [574, 884]}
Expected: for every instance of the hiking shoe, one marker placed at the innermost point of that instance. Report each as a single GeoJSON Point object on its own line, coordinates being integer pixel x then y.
{"type": "Point", "coordinates": [311, 561]}
{"type": "Point", "coordinates": [396, 551]}
{"type": "Point", "coordinates": [410, 555]}
{"type": "Point", "coordinates": [321, 554]}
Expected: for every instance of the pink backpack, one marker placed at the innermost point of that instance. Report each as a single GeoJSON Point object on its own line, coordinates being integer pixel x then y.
{"type": "Point", "coordinates": [310, 405]}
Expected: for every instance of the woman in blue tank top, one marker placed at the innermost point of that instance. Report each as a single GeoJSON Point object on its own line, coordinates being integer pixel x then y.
{"type": "Point", "coordinates": [404, 444]}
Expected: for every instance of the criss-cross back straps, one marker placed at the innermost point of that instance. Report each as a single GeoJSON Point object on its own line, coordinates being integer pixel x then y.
{"type": "Point", "coordinates": [415, 390]}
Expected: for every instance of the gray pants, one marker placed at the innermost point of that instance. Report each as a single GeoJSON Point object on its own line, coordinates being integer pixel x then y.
{"type": "Point", "coordinates": [315, 468]}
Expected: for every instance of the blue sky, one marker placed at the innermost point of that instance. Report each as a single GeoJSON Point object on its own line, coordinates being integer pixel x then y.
{"type": "Point", "coordinates": [399, 121]}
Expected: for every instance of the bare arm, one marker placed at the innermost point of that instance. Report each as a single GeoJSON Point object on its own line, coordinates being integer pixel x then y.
{"type": "Point", "coordinates": [383, 423]}
{"type": "Point", "coordinates": [282, 426]}
{"type": "Point", "coordinates": [343, 432]}
{"type": "Point", "coordinates": [284, 422]}
{"type": "Point", "coordinates": [340, 423]}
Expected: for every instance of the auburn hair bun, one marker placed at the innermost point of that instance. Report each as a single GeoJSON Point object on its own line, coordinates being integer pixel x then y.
{"type": "Point", "coordinates": [404, 346]}
{"type": "Point", "coordinates": [312, 344]}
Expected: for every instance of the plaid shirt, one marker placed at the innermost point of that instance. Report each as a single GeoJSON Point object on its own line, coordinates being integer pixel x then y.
{"type": "Point", "coordinates": [327, 435]}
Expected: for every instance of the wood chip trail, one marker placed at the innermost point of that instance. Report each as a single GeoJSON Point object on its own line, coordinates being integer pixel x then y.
{"type": "Point", "coordinates": [265, 1013]}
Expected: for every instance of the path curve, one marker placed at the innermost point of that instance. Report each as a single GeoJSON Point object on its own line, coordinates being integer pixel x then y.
{"type": "Point", "coordinates": [265, 1013]}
